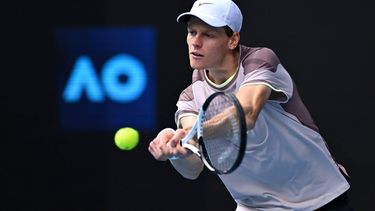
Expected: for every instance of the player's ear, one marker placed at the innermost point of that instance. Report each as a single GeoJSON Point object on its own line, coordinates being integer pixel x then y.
{"type": "Point", "coordinates": [234, 40]}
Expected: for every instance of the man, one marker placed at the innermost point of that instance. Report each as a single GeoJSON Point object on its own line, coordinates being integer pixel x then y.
{"type": "Point", "coordinates": [287, 165]}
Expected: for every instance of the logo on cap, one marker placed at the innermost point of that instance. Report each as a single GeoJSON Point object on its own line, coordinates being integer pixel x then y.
{"type": "Point", "coordinates": [200, 4]}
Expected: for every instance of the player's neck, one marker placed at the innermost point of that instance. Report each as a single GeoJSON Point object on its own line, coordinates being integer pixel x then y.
{"type": "Point", "coordinates": [224, 71]}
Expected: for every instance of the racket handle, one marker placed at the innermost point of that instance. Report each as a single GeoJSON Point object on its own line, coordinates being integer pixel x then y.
{"type": "Point", "coordinates": [192, 148]}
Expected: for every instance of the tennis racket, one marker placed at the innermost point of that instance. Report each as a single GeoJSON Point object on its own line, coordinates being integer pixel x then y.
{"type": "Point", "coordinates": [220, 131]}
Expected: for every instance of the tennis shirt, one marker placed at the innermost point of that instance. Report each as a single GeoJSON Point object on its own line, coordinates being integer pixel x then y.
{"type": "Point", "coordinates": [287, 165]}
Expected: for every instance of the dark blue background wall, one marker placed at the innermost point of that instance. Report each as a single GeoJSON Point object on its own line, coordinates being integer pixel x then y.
{"type": "Point", "coordinates": [325, 45]}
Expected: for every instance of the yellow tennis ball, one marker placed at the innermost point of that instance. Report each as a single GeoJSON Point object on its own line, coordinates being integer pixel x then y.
{"type": "Point", "coordinates": [126, 138]}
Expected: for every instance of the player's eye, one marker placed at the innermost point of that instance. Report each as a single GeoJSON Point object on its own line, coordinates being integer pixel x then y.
{"type": "Point", "coordinates": [192, 32]}
{"type": "Point", "coordinates": [210, 34]}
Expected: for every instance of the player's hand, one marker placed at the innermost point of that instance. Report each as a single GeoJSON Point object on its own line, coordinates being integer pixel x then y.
{"type": "Point", "coordinates": [158, 147]}
{"type": "Point", "coordinates": [167, 145]}
{"type": "Point", "coordinates": [174, 144]}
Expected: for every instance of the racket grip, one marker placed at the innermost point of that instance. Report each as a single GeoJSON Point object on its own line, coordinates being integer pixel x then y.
{"type": "Point", "coordinates": [192, 148]}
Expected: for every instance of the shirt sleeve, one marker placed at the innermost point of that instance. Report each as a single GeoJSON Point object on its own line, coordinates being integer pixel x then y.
{"type": "Point", "coordinates": [186, 105]}
{"type": "Point", "coordinates": [263, 67]}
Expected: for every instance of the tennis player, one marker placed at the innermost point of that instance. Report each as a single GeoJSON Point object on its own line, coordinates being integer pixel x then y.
{"type": "Point", "coordinates": [287, 165]}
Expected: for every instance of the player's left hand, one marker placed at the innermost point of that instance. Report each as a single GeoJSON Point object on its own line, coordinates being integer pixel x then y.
{"type": "Point", "coordinates": [167, 145]}
{"type": "Point", "coordinates": [158, 147]}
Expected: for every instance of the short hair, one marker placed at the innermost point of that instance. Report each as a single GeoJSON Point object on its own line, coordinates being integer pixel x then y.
{"type": "Point", "coordinates": [228, 31]}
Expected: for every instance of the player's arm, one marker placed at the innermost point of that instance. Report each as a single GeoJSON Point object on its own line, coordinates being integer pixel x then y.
{"type": "Point", "coordinates": [167, 145]}
{"type": "Point", "coordinates": [190, 165]}
{"type": "Point", "coordinates": [252, 98]}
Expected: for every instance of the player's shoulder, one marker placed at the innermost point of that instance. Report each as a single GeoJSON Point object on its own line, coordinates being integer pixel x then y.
{"type": "Point", "coordinates": [187, 94]}
{"type": "Point", "coordinates": [198, 75]}
{"type": "Point", "coordinates": [258, 58]}
{"type": "Point", "coordinates": [261, 53]}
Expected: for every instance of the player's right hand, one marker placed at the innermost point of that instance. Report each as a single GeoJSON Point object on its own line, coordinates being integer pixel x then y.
{"type": "Point", "coordinates": [174, 144]}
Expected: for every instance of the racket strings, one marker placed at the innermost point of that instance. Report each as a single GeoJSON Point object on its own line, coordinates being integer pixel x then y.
{"type": "Point", "coordinates": [221, 133]}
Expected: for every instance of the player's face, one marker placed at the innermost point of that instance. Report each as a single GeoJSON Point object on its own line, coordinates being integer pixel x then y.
{"type": "Point", "coordinates": [208, 45]}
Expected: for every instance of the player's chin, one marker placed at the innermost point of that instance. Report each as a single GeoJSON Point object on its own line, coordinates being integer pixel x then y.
{"type": "Point", "coordinates": [197, 65]}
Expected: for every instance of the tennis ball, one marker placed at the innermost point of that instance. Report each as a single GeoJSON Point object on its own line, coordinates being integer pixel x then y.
{"type": "Point", "coordinates": [126, 138]}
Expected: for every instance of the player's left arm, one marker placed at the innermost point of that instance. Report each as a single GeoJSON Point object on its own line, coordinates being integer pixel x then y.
{"type": "Point", "coordinates": [252, 98]}
{"type": "Point", "coordinates": [189, 165]}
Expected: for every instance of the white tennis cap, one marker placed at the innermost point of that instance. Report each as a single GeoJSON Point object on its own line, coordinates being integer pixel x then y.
{"type": "Point", "coordinates": [216, 13]}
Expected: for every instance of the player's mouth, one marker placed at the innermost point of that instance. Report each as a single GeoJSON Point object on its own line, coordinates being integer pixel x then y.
{"type": "Point", "coordinates": [196, 55]}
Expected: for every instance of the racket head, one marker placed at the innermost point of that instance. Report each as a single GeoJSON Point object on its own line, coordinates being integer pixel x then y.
{"type": "Point", "coordinates": [222, 133]}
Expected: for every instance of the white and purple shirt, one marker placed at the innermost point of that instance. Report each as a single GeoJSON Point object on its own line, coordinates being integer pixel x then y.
{"type": "Point", "coordinates": [287, 165]}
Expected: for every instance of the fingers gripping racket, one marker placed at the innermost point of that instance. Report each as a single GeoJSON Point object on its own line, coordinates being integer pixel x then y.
{"type": "Point", "coordinates": [221, 133]}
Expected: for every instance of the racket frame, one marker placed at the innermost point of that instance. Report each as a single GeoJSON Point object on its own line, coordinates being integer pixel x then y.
{"type": "Point", "coordinates": [196, 131]}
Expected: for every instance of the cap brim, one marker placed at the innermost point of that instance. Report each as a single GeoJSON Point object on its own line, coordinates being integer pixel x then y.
{"type": "Point", "coordinates": [184, 17]}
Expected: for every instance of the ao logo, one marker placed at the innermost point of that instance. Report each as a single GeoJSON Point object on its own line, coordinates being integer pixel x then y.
{"type": "Point", "coordinates": [84, 79]}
